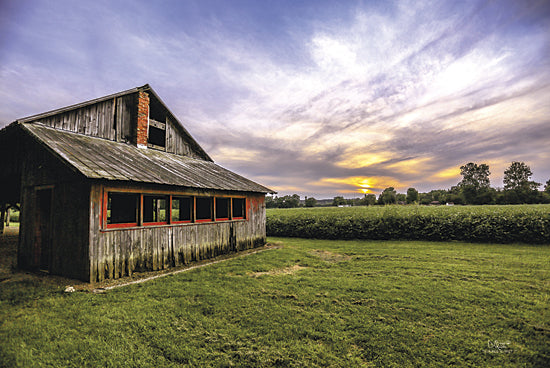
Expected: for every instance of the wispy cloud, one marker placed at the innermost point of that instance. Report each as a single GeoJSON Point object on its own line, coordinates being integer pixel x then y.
{"type": "Point", "coordinates": [366, 98]}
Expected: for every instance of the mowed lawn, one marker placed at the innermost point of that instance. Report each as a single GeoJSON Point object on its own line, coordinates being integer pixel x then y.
{"type": "Point", "coordinates": [309, 303]}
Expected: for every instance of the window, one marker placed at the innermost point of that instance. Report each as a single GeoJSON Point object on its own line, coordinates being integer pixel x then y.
{"type": "Point", "coordinates": [182, 209]}
{"type": "Point", "coordinates": [239, 207]}
{"type": "Point", "coordinates": [122, 209]}
{"type": "Point", "coordinates": [154, 209]}
{"type": "Point", "coordinates": [204, 209]}
{"type": "Point", "coordinates": [157, 135]}
{"type": "Point", "coordinates": [222, 208]}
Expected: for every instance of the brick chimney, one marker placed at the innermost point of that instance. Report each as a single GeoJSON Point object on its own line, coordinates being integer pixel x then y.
{"type": "Point", "coordinates": [142, 119]}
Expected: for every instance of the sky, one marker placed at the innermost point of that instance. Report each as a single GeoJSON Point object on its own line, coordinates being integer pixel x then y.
{"type": "Point", "coordinates": [318, 98]}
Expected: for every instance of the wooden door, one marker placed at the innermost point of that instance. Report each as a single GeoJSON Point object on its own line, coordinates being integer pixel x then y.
{"type": "Point", "coordinates": [43, 229]}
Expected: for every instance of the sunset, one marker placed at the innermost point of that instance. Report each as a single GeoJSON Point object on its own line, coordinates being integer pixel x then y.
{"type": "Point", "coordinates": [317, 98]}
{"type": "Point", "coordinates": [274, 183]}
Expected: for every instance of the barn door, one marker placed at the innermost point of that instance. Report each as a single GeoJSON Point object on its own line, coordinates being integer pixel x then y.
{"type": "Point", "coordinates": [43, 229]}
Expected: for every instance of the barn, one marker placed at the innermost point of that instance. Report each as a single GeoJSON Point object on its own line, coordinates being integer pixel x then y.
{"type": "Point", "coordinates": [117, 185]}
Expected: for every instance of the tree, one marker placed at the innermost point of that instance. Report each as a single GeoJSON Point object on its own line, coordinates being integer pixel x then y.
{"type": "Point", "coordinates": [338, 201]}
{"type": "Point", "coordinates": [310, 202]}
{"type": "Point", "coordinates": [517, 177]}
{"type": "Point", "coordinates": [475, 183]}
{"type": "Point", "coordinates": [368, 200]}
{"type": "Point", "coordinates": [546, 193]}
{"type": "Point", "coordinates": [412, 195]}
{"type": "Point", "coordinates": [291, 201]}
{"type": "Point", "coordinates": [474, 175]}
{"type": "Point", "coordinates": [270, 202]}
{"type": "Point", "coordinates": [282, 202]}
{"type": "Point", "coordinates": [388, 196]}
{"type": "Point", "coordinates": [518, 187]}
{"type": "Point", "coordinates": [401, 198]}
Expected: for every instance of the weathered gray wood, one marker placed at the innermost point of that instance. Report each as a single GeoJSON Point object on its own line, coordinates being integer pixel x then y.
{"type": "Point", "coordinates": [76, 166]}
{"type": "Point", "coordinates": [161, 247]}
{"type": "Point", "coordinates": [125, 117]}
{"type": "Point", "coordinates": [104, 159]}
{"type": "Point", "coordinates": [157, 124]}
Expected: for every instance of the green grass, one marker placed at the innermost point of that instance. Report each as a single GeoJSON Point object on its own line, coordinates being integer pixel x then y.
{"type": "Point", "coordinates": [311, 303]}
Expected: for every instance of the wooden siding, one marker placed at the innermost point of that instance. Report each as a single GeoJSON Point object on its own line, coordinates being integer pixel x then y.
{"type": "Point", "coordinates": [110, 119]}
{"type": "Point", "coordinates": [68, 222]}
{"type": "Point", "coordinates": [121, 252]}
{"type": "Point", "coordinates": [114, 117]}
{"type": "Point", "coordinates": [175, 142]}
{"type": "Point", "coordinates": [126, 115]}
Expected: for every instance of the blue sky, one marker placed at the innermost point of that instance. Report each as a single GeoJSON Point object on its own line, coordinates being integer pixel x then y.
{"type": "Point", "coordinates": [319, 98]}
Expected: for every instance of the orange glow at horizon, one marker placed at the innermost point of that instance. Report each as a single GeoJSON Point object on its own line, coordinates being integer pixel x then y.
{"type": "Point", "coordinates": [361, 184]}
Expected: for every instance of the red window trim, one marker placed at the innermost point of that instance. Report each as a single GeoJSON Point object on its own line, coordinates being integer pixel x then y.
{"type": "Point", "coordinates": [229, 209]}
{"type": "Point", "coordinates": [155, 223]}
{"type": "Point", "coordinates": [204, 220]}
{"type": "Point", "coordinates": [168, 214]}
{"type": "Point", "coordinates": [105, 209]}
{"type": "Point", "coordinates": [245, 209]}
{"type": "Point", "coordinates": [168, 221]}
{"type": "Point", "coordinates": [212, 209]}
{"type": "Point", "coordinates": [118, 226]}
{"type": "Point", "coordinates": [192, 212]}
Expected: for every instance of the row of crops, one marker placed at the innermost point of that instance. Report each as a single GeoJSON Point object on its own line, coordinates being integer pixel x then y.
{"type": "Point", "coordinates": [495, 224]}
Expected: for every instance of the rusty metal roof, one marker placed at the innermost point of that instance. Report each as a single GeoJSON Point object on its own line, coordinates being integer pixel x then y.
{"type": "Point", "coordinates": [98, 158]}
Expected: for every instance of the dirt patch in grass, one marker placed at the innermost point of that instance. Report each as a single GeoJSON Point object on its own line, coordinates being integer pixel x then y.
{"type": "Point", "coordinates": [279, 271]}
{"type": "Point", "coordinates": [330, 256]}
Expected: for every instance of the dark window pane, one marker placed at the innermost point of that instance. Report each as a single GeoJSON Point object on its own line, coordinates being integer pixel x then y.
{"type": "Point", "coordinates": [222, 208]}
{"type": "Point", "coordinates": [157, 136]}
{"type": "Point", "coordinates": [239, 207]}
{"type": "Point", "coordinates": [122, 208]}
{"type": "Point", "coordinates": [182, 208]}
{"type": "Point", "coordinates": [204, 208]}
{"type": "Point", "coordinates": [154, 208]}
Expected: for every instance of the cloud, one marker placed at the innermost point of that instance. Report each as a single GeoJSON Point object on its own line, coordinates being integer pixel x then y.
{"type": "Point", "coordinates": [415, 115]}
{"type": "Point", "coordinates": [396, 95]}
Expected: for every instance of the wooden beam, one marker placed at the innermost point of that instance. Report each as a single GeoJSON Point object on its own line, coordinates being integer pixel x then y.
{"type": "Point", "coordinates": [157, 124]}
{"type": "Point", "coordinates": [2, 212]}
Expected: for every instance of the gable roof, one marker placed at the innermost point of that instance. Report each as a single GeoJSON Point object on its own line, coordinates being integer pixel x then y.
{"type": "Point", "coordinates": [145, 88]}
{"type": "Point", "coordinates": [98, 158]}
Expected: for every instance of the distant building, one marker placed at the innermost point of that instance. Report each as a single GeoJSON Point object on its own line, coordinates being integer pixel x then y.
{"type": "Point", "coordinates": [117, 185]}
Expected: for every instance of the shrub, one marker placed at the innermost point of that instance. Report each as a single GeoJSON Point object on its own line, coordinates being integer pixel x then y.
{"type": "Point", "coordinates": [496, 224]}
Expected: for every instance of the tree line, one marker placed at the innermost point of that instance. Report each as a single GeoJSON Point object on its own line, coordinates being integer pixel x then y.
{"type": "Point", "coordinates": [474, 189]}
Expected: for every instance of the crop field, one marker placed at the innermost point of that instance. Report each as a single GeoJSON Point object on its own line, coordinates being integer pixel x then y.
{"type": "Point", "coordinates": [494, 224]}
{"type": "Point", "coordinates": [307, 303]}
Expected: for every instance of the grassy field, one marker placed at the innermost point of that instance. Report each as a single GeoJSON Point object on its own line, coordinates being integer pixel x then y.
{"type": "Point", "coordinates": [481, 224]}
{"type": "Point", "coordinates": [310, 303]}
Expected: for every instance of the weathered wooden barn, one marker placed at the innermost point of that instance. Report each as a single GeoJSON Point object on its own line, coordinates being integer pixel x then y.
{"type": "Point", "coordinates": [117, 185]}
